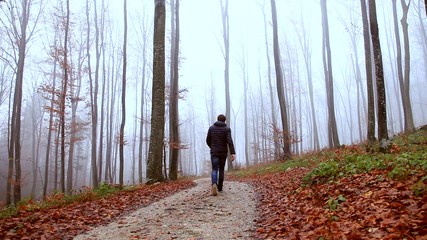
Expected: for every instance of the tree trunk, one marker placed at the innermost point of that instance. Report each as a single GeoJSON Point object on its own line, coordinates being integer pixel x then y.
{"type": "Point", "coordinates": [100, 49]}
{"type": "Point", "coordinates": [279, 85]}
{"type": "Point", "coordinates": [327, 64]}
{"type": "Point", "coordinates": [304, 42]}
{"type": "Point", "coordinates": [154, 168]}
{"type": "Point", "coordinates": [423, 35]}
{"type": "Point", "coordinates": [368, 67]}
{"type": "Point", "coordinates": [49, 133]}
{"type": "Point", "coordinates": [122, 125]}
{"type": "Point", "coordinates": [141, 122]}
{"type": "Point", "coordinates": [381, 101]}
{"type": "Point", "coordinates": [15, 136]}
{"type": "Point", "coordinates": [93, 104]}
{"type": "Point", "coordinates": [174, 95]}
{"type": "Point", "coordinates": [406, 98]}
{"type": "Point", "coordinates": [226, 53]}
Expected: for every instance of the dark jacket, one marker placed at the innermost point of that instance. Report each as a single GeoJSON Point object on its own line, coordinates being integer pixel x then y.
{"type": "Point", "coordinates": [219, 136]}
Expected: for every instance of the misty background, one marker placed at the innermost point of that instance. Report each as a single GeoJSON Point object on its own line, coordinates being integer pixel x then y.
{"type": "Point", "coordinates": [201, 80]}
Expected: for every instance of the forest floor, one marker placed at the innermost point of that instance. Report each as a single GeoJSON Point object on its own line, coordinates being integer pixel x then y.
{"type": "Point", "coordinates": [346, 193]}
{"type": "Point", "coordinates": [189, 214]}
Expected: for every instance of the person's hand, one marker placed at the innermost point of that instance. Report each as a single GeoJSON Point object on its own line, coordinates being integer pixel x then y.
{"type": "Point", "coordinates": [233, 156]}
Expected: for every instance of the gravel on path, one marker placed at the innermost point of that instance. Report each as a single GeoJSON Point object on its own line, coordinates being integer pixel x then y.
{"type": "Point", "coordinates": [190, 214]}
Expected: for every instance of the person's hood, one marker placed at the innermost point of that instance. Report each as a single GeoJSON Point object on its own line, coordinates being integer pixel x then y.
{"type": "Point", "coordinates": [220, 124]}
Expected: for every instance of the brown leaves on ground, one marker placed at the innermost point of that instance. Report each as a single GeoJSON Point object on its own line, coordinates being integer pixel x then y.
{"type": "Point", "coordinates": [363, 206]}
{"type": "Point", "coordinates": [66, 222]}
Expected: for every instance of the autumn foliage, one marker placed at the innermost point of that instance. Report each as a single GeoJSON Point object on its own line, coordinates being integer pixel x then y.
{"type": "Point", "coordinates": [66, 221]}
{"type": "Point", "coordinates": [362, 206]}
{"type": "Point", "coordinates": [346, 193]}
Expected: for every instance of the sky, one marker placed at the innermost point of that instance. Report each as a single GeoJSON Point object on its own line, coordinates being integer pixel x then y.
{"type": "Point", "coordinates": [201, 56]}
{"type": "Point", "coordinates": [202, 61]}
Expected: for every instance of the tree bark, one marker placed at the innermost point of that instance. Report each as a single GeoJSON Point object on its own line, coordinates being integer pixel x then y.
{"type": "Point", "coordinates": [20, 41]}
{"type": "Point", "coordinates": [270, 87]}
{"type": "Point", "coordinates": [122, 125]}
{"type": "Point", "coordinates": [174, 95]}
{"type": "Point", "coordinates": [379, 73]}
{"type": "Point", "coordinates": [327, 63]}
{"type": "Point", "coordinates": [226, 53]}
{"type": "Point", "coordinates": [406, 98]}
{"type": "Point", "coordinates": [64, 90]}
{"type": "Point", "coordinates": [155, 155]}
{"type": "Point", "coordinates": [93, 104]}
{"type": "Point", "coordinates": [279, 85]}
{"type": "Point", "coordinates": [369, 80]}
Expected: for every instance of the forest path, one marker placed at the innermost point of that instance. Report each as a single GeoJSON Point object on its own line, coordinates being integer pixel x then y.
{"type": "Point", "coordinates": [189, 214]}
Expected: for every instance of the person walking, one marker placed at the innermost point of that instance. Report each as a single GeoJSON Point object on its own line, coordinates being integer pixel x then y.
{"type": "Point", "coordinates": [219, 141]}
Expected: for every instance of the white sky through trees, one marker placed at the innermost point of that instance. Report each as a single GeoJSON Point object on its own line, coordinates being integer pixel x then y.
{"type": "Point", "coordinates": [201, 59]}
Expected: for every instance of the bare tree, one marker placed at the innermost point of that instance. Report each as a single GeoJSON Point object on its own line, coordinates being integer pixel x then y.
{"type": "Point", "coordinates": [142, 29]}
{"type": "Point", "coordinates": [279, 85]}
{"type": "Point", "coordinates": [154, 168]}
{"type": "Point", "coordinates": [270, 86]}
{"type": "Point", "coordinates": [93, 92]}
{"type": "Point", "coordinates": [174, 137]}
{"type": "Point", "coordinates": [379, 73]}
{"type": "Point", "coordinates": [403, 73]}
{"type": "Point", "coordinates": [36, 132]}
{"type": "Point", "coordinates": [122, 125]}
{"type": "Point", "coordinates": [368, 70]}
{"type": "Point", "coordinates": [51, 125]}
{"type": "Point", "coordinates": [304, 42]}
{"type": "Point", "coordinates": [77, 126]}
{"type": "Point", "coordinates": [101, 29]}
{"type": "Point", "coordinates": [243, 66]}
{"type": "Point", "coordinates": [226, 54]}
{"type": "Point", "coordinates": [19, 31]}
{"type": "Point", "coordinates": [423, 34]}
{"type": "Point", "coordinates": [63, 97]}
{"type": "Point", "coordinates": [327, 66]}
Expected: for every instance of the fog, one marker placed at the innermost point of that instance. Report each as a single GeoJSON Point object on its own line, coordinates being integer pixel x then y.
{"type": "Point", "coordinates": [201, 75]}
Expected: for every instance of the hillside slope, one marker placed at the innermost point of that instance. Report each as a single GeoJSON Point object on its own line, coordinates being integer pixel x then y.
{"type": "Point", "coordinates": [347, 193]}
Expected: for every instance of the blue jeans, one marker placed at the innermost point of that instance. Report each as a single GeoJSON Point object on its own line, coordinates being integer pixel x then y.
{"type": "Point", "coordinates": [218, 165]}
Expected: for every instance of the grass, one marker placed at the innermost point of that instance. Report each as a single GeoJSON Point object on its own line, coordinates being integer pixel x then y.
{"type": "Point", "coordinates": [62, 199]}
{"type": "Point", "coordinates": [405, 157]}
{"type": "Point", "coordinates": [270, 167]}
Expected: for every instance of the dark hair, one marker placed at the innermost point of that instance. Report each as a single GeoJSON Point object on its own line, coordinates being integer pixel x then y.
{"type": "Point", "coordinates": [221, 118]}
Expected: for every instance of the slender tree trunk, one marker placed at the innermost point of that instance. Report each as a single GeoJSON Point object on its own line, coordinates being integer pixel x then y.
{"type": "Point", "coordinates": [246, 108]}
{"type": "Point", "coordinates": [111, 89]}
{"type": "Point", "coordinates": [327, 61]}
{"type": "Point", "coordinates": [49, 133]}
{"type": "Point", "coordinates": [93, 103]}
{"type": "Point", "coordinates": [65, 67]}
{"type": "Point", "coordinates": [304, 42]}
{"type": "Point", "coordinates": [381, 101]}
{"type": "Point", "coordinates": [406, 98]}
{"type": "Point", "coordinates": [100, 30]}
{"type": "Point", "coordinates": [369, 81]}
{"type": "Point", "coordinates": [57, 147]}
{"type": "Point", "coordinates": [122, 125]}
{"type": "Point", "coordinates": [279, 84]}
{"type": "Point", "coordinates": [174, 95]}
{"type": "Point", "coordinates": [141, 122]}
{"type": "Point", "coordinates": [15, 137]}
{"type": "Point", "coordinates": [423, 35]}
{"type": "Point", "coordinates": [226, 53]}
